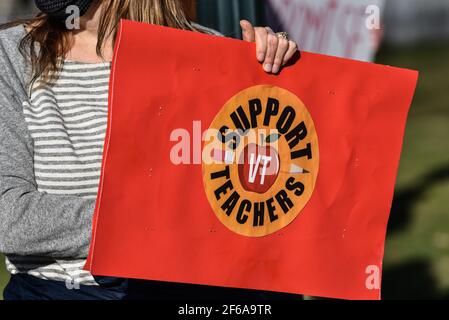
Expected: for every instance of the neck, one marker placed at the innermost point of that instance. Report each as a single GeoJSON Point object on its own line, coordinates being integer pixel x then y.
{"type": "Point", "coordinates": [89, 23]}
{"type": "Point", "coordinates": [84, 45]}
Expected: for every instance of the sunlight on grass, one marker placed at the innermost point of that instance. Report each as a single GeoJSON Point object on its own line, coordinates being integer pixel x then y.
{"type": "Point", "coordinates": [417, 249]}
{"type": "Point", "coordinates": [4, 277]}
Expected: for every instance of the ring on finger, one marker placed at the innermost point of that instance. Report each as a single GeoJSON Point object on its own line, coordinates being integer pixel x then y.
{"type": "Point", "coordinates": [283, 35]}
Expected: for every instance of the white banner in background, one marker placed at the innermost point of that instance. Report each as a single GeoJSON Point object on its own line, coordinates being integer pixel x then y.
{"type": "Point", "coordinates": [343, 28]}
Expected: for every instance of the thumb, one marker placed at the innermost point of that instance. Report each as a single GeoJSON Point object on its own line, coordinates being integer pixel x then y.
{"type": "Point", "coordinates": [249, 34]}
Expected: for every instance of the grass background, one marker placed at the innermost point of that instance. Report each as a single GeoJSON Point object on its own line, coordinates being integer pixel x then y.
{"type": "Point", "coordinates": [416, 261]}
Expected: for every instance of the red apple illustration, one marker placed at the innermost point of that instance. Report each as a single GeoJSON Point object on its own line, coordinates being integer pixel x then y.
{"type": "Point", "coordinates": [258, 167]}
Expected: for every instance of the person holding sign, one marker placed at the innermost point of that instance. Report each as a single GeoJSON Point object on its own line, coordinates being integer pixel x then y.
{"type": "Point", "coordinates": [54, 90]}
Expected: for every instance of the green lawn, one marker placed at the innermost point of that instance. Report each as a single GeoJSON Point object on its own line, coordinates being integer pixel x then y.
{"type": "Point", "coordinates": [417, 251]}
{"type": "Point", "coordinates": [4, 277]}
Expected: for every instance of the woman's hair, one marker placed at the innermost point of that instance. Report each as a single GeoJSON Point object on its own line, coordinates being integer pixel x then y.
{"type": "Point", "coordinates": [48, 41]}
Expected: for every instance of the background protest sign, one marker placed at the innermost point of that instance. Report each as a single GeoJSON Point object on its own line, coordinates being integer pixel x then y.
{"type": "Point", "coordinates": [342, 28]}
{"type": "Point", "coordinates": [317, 229]}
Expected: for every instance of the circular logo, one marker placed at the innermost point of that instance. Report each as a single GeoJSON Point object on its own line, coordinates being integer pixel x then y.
{"type": "Point", "coordinates": [262, 161]}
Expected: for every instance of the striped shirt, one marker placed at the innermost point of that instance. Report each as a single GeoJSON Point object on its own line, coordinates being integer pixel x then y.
{"type": "Point", "coordinates": [67, 122]}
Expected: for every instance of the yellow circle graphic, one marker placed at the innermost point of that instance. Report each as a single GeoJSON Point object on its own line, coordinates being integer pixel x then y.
{"type": "Point", "coordinates": [260, 161]}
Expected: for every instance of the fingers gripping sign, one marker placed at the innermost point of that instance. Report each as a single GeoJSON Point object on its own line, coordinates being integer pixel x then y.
{"type": "Point", "coordinates": [273, 50]}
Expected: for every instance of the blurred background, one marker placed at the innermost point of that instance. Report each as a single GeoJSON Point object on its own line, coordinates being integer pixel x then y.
{"type": "Point", "coordinates": [413, 34]}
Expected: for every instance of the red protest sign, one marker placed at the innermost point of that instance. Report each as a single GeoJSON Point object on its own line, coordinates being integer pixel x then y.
{"type": "Point", "coordinates": [186, 196]}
